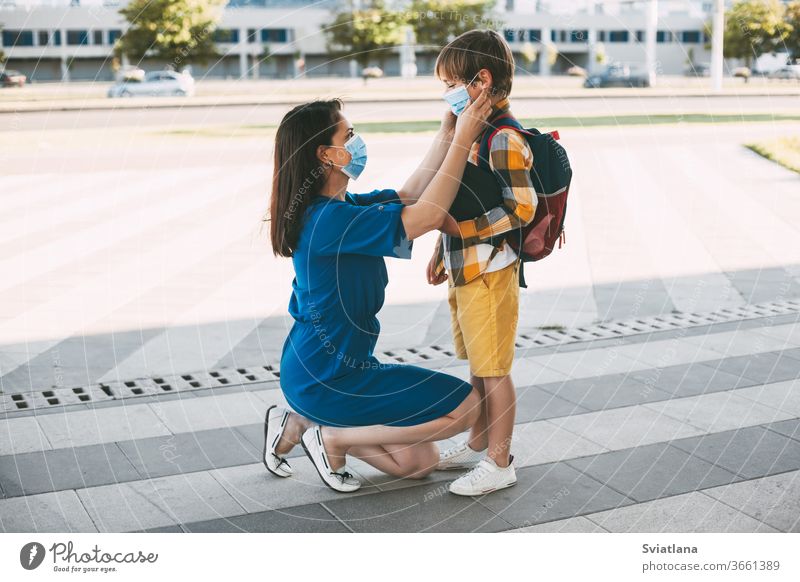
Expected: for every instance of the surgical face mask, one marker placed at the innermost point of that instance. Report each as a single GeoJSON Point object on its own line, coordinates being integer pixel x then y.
{"type": "Point", "coordinates": [458, 97]}
{"type": "Point", "coordinates": [357, 149]}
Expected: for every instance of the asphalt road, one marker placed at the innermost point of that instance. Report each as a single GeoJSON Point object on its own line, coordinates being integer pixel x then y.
{"type": "Point", "coordinates": [392, 111]}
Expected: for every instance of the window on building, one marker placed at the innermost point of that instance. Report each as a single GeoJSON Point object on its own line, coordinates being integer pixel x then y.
{"type": "Point", "coordinates": [508, 33]}
{"type": "Point", "coordinates": [639, 36]}
{"type": "Point", "coordinates": [252, 35]}
{"type": "Point", "coordinates": [553, 35]}
{"type": "Point", "coordinates": [44, 37]}
{"type": "Point", "coordinates": [617, 36]}
{"type": "Point", "coordinates": [226, 35]}
{"type": "Point", "coordinates": [274, 35]}
{"type": "Point", "coordinates": [601, 36]}
{"type": "Point", "coordinates": [691, 36]}
{"type": "Point", "coordinates": [562, 35]}
{"type": "Point", "coordinates": [663, 36]}
{"type": "Point", "coordinates": [579, 36]}
{"type": "Point", "coordinates": [17, 38]}
{"type": "Point", "coordinates": [77, 37]}
{"type": "Point", "coordinates": [534, 35]}
{"type": "Point", "coordinates": [113, 35]}
{"type": "Point", "coordinates": [56, 38]}
{"type": "Point", "coordinates": [98, 37]}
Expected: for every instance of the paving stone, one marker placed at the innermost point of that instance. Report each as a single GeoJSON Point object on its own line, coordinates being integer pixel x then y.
{"type": "Point", "coordinates": [255, 489]}
{"type": "Point", "coordinates": [783, 396]}
{"type": "Point", "coordinates": [303, 519]}
{"type": "Point", "coordinates": [189, 452]}
{"type": "Point", "coordinates": [570, 525]}
{"type": "Point", "coordinates": [740, 343]}
{"type": "Point", "coordinates": [550, 492]}
{"type": "Point", "coordinates": [652, 472]}
{"type": "Point", "coordinates": [668, 352]}
{"type": "Point", "coordinates": [765, 367]}
{"type": "Point", "coordinates": [591, 363]}
{"type": "Point", "coordinates": [165, 529]}
{"type": "Point", "coordinates": [748, 452]}
{"type": "Point", "coordinates": [21, 435]}
{"type": "Point", "coordinates": [789, 428]}
{"type": "Point", "coordinates": [689, 380]}
{"type": "Point", "coordinates": [57, 512]}
{"type": "Point", "coordinates": [534, 403]}
{"type": "Point", "coordinates": [537, 443]}
{"type": "Point", "coordinates": [718, 412]}
{"type": "Point", "coordinates": [158, 502]}
{"type": "Point", "coordinates": [425, 508]}
{"type": "Point", "coordinates": [691, 512]}
{"type": "Point", "coordinates": [104, 425]}
{"type": "Point", "coordinates": [789, 334]}
{"type": "Point", "coordinates": [210, 412]}
{"type": "Point", "coordinates": [61, 469]}
{"type": "Point", "coordinates": [623, 428]}
{"type": "Point", "coordinates": [774, 500]}
{"type": "Point", "coordinates": [603, 392]}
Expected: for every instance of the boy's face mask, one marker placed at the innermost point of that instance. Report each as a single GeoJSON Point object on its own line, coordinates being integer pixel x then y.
{"type": "Point", "coordinates": [357, 149]}
{"type": "Point", "coordinates": [458, 97]}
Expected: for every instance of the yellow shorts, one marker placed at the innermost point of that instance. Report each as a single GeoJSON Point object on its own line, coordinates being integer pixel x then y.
{"type": "Point", "coordinates": [484, 315]}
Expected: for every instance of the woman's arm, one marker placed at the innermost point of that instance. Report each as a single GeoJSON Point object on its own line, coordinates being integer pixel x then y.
{"type": "Point", "coordinates": [431, 209]}
{"type": "Point", "coordinates": [422, 176]}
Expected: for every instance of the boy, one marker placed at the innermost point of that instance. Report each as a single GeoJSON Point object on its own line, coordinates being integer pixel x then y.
{"type": "Point", "coordinates": [481, 266]}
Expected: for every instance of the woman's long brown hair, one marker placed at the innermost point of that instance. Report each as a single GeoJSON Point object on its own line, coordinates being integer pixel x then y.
{"type": "Point", "coordinates": [298, 174]}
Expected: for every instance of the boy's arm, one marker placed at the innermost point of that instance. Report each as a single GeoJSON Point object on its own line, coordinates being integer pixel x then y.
{"type": "Point", "coordinates": [511, 161]}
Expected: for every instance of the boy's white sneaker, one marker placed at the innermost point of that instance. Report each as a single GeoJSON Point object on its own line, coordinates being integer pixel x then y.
{"type": "Point", "coordinates": [485, 478]}
{"type": "Point", "coordinates": [459, 456]}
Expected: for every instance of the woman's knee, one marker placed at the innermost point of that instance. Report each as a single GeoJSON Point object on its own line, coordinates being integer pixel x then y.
{"type": "Point", "coordinates": [422, 462]}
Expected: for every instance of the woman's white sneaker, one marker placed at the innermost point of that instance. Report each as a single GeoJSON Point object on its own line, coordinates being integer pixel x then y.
{"type": "Point", "coordinates": [459, 456]}
{"type": "Point", "coordinates": [341, 481]}
{"type": "Point", "coordinates": [274, 427]}
{"type": "Point", "coordinates": [485, 478]}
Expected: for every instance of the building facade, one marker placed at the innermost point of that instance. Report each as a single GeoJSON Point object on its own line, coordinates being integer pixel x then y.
{"type": "Point", "coordinates": [51, 40]}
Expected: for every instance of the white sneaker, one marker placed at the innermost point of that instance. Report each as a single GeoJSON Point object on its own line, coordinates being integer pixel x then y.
{"type": "Point", "coordinates": [459, 456]}
{"type": "Point", "coordinates": [485, 478]}
{"type": "Point", "coordinates": [341, 481]}
{"type": "Point", "coordinates": [274, 425]}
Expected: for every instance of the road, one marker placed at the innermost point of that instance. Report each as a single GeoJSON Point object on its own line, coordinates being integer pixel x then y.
{"type": "Point", "coordinates": [394, 111]}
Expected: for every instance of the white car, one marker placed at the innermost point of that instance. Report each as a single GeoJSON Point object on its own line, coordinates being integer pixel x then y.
{"type": "Point", "coordinates": [791, 72]}
{"type": "Point", "coordinates": [155, 84]}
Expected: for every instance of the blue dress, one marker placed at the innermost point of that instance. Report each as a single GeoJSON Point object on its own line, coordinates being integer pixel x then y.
{"type": "Point", "coordinates": [328, 372]}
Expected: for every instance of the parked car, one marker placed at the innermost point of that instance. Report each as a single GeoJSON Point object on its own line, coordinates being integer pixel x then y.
{"type": "Point", "coordinates": [155, 84]}
{"type": "Point", "coordinates": [576, 71]}
{"type": "Point", "coordinates": [698, 70]}
{"type": "Point", "coordinates": [617, 76]}
{"type": "Point", "coordinates": [789, 72]}
{"type": "Point", "coordinates": [11, 78]}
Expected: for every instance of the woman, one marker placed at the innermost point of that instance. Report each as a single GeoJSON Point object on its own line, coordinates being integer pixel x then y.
{"type": "Point", "coordinates": [344, 400]}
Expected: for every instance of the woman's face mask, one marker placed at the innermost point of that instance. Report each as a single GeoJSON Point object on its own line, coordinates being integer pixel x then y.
{"type": "Point", "coordinates": [357, 149]}
{"type": "Point", "coordinates": [458, 97]}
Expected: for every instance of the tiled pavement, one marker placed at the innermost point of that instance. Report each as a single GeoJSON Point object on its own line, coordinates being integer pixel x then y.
{"type": "Point", "coordinates": [684, 430]}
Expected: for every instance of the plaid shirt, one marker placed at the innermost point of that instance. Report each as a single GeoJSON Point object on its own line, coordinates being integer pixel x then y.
{"type": "Point", "coordinates": [511, 161]}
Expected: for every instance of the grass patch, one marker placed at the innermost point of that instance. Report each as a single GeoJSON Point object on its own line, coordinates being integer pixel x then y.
{"type": "Point", "coordinates": [543, 123]}
{"type": "Point", "coordinates": [784, 151]}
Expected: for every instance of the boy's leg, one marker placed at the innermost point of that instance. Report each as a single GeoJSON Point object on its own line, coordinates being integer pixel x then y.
{"type": "Point", "coordinates": [478, 435]}
{"type": "Point", "coordinates": [500, 402]}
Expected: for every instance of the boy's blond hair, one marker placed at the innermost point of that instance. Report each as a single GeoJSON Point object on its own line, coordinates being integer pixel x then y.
{"type": "Point", "coordinates": [474, 50]}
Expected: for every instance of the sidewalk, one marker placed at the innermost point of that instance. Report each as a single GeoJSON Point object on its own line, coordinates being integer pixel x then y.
{"type": "Point", "coordinates": [693, 429]}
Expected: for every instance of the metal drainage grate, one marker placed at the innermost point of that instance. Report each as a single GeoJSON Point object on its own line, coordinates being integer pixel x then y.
{"type": "Point", "coordinates": [242, 376]}
{"type": "Point", "coordinates": [140, 387]}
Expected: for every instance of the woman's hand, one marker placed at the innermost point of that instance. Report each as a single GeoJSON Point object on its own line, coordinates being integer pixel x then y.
{"type": "Point", "coordinates": [433, 278]}
{"type": "Point", "coordinates": [450, 227]}
{"type": "Point", "coordinates": [448, 126]}
{"type": "Point", "coordinates": [473, 119]}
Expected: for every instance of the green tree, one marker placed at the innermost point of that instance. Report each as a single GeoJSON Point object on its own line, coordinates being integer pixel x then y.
{"type": "Point", "coordinates": [754, 28]}
{"type": "Point", "coordinates": [2, 54]}
{"type": "Point", "coordinates": [365, 34]}
{"type": "Point", "coordinates": [437, 22]}
{"type": "Point", "coordinates": [177, 31]}
{"type": "Point", "coordinates": [792, 40]}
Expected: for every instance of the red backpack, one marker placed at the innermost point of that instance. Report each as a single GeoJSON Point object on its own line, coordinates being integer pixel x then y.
{"type": "Point", "coordinates": [551, 175]}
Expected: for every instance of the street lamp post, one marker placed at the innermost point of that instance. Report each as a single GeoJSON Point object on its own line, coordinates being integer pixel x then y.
{"type": "Point", "coordinates": [717, 34]}
{"type": "Point", "coordinates": [650, 40]}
